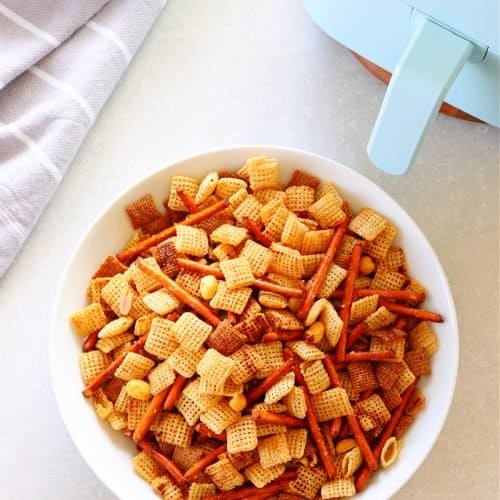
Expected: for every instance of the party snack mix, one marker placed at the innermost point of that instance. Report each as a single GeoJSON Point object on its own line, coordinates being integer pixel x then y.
{"type": "Point", "coordinates": [256, 340]}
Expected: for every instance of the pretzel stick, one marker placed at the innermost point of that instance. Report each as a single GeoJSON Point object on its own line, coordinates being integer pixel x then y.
{"type": "Point", "coordinates": [108, 372]}
{"type": "Point", "coordinates": [344, 430]}
{"type": "Point", "coordinates": [196, 469]}
{"type": "Point", "coordinates": [188, 201]}
{"type": "Point", "coordinates": [288, 291]}
{"type": "Point", "coordinates": [164, 461]}
{"type": "Point", "coordinates": [332, 372]}
{"type": "Point", "coordinates": [179, 292]}
{"type": "Point", "coordinates": [360, 438]}
{"type": "Point", "coordinates": [325, 430]}
{"type": "Point", "coordinates": [335, 427]}
{"type": "Point", "coordinates": [357, 332]}
{"type": "Point", "coordinates": [387, 294]}
{"type": "Point", "coordinates": [258, 283]}
{"type": "Point", "coordinates": [257, 233]}
{"type": "Point", "coordinates": [283, 335]}
{"type": "Point", "coordinates": [90, 342]}
{"type": "Point", "coordinates": [345, 312]}
{"type": "Point", "coordinates": [204, 431]}
{"type": "Point", "coordinates": [312, 421]}
{"type": "Point", "coordinates": [232, 317]}
{"type": "Point", "coordinates": [365, 395]}
{"type": "Point", "coordinates": [359, 435]}
{"type": "Point", "coordinates": [401, 323]}
{"type": "Point", "coordinates": [320, 274]}
{"type": "Point", "coordinates": [289, 475]}
{"type": "Point", "coordinates": [252, 491]}
{"type": "Point", "coordinates": [354, 356]}
{"type": "Point", "coordinates": [411, 311]}
{"type": "Point", "coordinates": [366, 473]}
{"type": "Point", "coordinates": [191, 220]}
{"type": "Point", "coordinates": [269, 381]}
{"type": "Point", "coordinates": [174, 393]}
{"type": "Point", "coordinates": [173, 316]}
{"type": "Point", "coordinates": [267, 417]}
{"type": "Point", "coordinates": [148, 418]}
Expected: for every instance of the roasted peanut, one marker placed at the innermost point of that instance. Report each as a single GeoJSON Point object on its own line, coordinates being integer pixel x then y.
{"type": "Point", "coordinates": [345, 445]}
{"type": "Point", "coordinates": [238, 402]}
{"type": "Point", "coordinates": [314, 334]}
{"type": "Point", "coordinates": [208, 286]}
{"type": "Point", "coordinates": [366, 265]}
{"type": "Point", "coordinates": [138, 389]}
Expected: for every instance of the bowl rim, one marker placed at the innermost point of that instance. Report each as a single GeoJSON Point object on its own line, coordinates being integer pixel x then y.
{"type": "Point", "coordinates": [452, 344]}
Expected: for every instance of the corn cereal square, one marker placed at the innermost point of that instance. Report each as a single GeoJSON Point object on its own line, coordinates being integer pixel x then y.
{"type": "Point", "coordinates": [134, 366]}
{"type": "Point", "coordinates": [184, 362]}
{"type": "Point", "coordinates": [161, 377]}
{"type": "Point", "coordinates": [258, 256]}
{"type": "Point", "coordinates": [230, 300]}
{"type": "Point", "coordinates": [368, 224]}
{"type": "Point", "coordinates": [174, 429]}
{"type": "Point", "coordinates": [263, 173]}
{"type": "Point", "coordinates": [161, 340]}
{"type": "Point", "coordinates": [273, 450]}
{"type": "Point", "coordinates": [315, 376]}
{"type": "Point", "coordinates": [299, 198]}
{"type": "Point", "coordinates": [224, 475]}
{"type": "Point", "coordinates": [92, 363]}
{"type": "Point", "coordinates": [220, 417]}
{"type": "Point", "coordinates": [191, 241]}
{"type": "Point", "coordinates": [191, 332]}
{"type": "Point", "coordinates": [90, 319]}
{"type": "Point", "coordinates": [229, 234]}
{"type": "Point", "coordinates": [331, 404]}
{"type": "Point", "coordinates": [327, 211]}
{"type": "Point", "coordinates": [237, 272]}
{"type": "Point", "coordinates": [189, 185]}
{"type": "Point", "coordinates": [242, 435]}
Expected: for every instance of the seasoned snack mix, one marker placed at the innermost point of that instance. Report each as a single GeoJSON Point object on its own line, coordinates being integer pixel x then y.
{"type": "Point", "coordinates": [256, 340]}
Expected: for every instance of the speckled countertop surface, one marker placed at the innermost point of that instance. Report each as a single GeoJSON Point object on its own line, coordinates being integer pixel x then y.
{"type": "Point", "coordinates": [222, 73]}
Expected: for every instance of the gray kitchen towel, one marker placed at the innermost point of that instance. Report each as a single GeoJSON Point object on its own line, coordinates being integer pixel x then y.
{"type": "Point", "coordinates": [59, 62]}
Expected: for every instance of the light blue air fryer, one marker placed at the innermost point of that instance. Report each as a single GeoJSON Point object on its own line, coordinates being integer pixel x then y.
{"type": "Point", "coordinates": [436, 49]}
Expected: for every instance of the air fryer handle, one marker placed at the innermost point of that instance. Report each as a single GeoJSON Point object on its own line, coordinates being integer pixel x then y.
{"type": "Point", "coordinates": [430, 63]}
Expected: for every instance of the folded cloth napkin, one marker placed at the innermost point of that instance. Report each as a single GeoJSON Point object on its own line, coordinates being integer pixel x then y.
{"type": "Point", "coordinates": [59, 62]}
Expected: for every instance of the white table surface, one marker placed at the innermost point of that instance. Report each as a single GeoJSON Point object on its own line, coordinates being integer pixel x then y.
{"type": "Point", "coordinates": [230, 72]}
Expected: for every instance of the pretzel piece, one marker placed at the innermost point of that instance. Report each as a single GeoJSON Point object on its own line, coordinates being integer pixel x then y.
{"type": "Point", "coordinates": [312, 421]}
{"type": "Point", "coordinates": [180, 293]}
{"type": "Point", "coordinates": [195, 470]}
{"type": "Point", "coordinates": [345, 313]}
{"type": "Point", "coordinates": [106, 374]}
{"type": "Point", "coordinates": [412, 312]}
{"type": "Point", "coordinates": [319, 277]}
{"type": "Point", "coordinates": [191, 220]}
{"type": "Point", "coordinates": [164, 461]}
{"type": "Point", "coordinates": [270, 380]}
{"type": "Point", "coordinates": [148, 418]}
{"type": "Point", "coordinates": [268, 417]}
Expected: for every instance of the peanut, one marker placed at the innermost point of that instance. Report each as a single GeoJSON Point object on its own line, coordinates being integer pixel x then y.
{"type": "Point", "coordinates": [345, 445]}
{"type": "Point", "coordinates": [238, 402]}
{"type": "Point", "coordinates": [294, 304]}
{"type": "Point", "coordinates": [208, 286]}
{"type": "Point", "coordinates": [314, 334]}
{"type": "Point", "coordinates": [366, 265]}
{"type": "Point", "coordinates": [138, 389]}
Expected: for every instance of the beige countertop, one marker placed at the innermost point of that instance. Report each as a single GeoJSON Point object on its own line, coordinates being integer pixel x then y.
{"type": "Point", "coordinates": [220, 73]}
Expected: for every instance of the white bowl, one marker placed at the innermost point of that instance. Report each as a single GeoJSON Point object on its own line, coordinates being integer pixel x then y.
{"type": "Point", "coordinates": [109, 453]}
